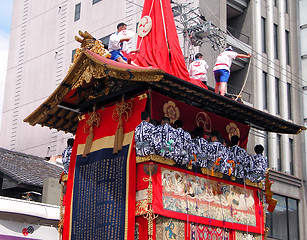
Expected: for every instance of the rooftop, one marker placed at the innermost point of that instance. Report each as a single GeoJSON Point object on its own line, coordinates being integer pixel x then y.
{"type": "Point", "coordinates": [27, 169]}
{"type": "Point", "coordinates": [94, 80]}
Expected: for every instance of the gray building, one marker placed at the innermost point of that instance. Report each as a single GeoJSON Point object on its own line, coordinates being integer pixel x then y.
{"type": "Point", "coordinates": [42, 45]}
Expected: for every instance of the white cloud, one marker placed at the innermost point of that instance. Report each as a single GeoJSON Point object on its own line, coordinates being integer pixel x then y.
{"type": "Point", "coordinates": [4, 44]}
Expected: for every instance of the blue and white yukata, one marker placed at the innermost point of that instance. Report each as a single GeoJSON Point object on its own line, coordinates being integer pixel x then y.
{"type": "Point", "coordinates": [257, 173]}
{"type": "Point", "coordinates": [66, 158]}
{"type": "Point", "coordinates": [202, 145]}
{"type": "Point", "coordinates": [142, 137]}
{"type": "Point", "coordinates": [215, 151]}
{"type": "Point", "coordinates": [188, 147]}
{"type": "Point", "coordinates": [241, 159]}
{"type": "Point", "coordinates": [166, 142]}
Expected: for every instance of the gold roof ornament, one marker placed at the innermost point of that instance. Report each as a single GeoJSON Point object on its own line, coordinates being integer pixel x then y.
{"type": "Point", "coordinates": [88, 40]}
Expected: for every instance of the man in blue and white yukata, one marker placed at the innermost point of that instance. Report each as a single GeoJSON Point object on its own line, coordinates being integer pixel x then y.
{"type": "Point", "coordinates": [202, 145]}
{"type": "Point", "coordinates": [217, 154]}
{"type": "Point", "coordinates": [166, 141]}
{"type": "Point", "coordinates": [118, 42]}
{"type": "Point", "coordinates": [240, 157]}
{"type": "Point", "coordinates": [188, 148]}
{"type": "Point", "coordinates": [257, 173]}
{"type": "Point", "coordinates": [66, 155]}
{"type": "Point", "coordinates": [142, 136]}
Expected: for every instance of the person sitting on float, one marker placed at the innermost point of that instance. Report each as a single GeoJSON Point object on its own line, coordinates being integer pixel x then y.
{"type": "Point", "coordinates": [118, 44]}
{"type": "Point", "coordinates": [257, 173]}
{"type": "Point", "coordinates": [166, 141]}
{"type": "Point", "coordinates": [217, 154]}
{"type": "Point", "coordinates": [202, 145]}
{"type": "Point", "coordinates": [142, 136]}
{"type": "Point", "coordinates": [238, 157]}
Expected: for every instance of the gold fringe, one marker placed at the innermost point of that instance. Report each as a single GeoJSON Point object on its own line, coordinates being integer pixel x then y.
{"type": "Point", "coordinates": [93, 121]}
{"type": "Point", "coordinates": [122, 111]}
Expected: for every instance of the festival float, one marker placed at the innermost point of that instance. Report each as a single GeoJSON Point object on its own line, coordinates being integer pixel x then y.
{"type": "Point", "coordinates": [113, 192]}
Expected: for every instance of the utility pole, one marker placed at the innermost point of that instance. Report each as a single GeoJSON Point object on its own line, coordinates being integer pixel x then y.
{"type": "Point", "coordinates": [196, 29]}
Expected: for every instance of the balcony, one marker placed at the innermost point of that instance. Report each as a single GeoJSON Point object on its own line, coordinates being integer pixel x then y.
{"type": "Point", "coordinates": [236, 7]}
{"type": "Point", "coordinates": [240, 47]}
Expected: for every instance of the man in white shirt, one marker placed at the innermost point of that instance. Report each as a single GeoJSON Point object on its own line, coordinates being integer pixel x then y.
{"type": "Point", "coordinates": [118, 43]}
{"type": "Point", "coordinates": [198, 68]}
{"type": "Point", "coordinates": [221, 69]}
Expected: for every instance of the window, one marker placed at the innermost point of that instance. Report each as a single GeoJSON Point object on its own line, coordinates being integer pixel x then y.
{"type": "Point", "coordinates": [291, 155]}
{"type": "Point", "coordinates": [277, 95]}
{"type": "Point", "coordinates": [136, 27]}
{"type": "Point", "coordinates": [286, 6]}
{"type": "Point", "coordinates": [73, 54]}
{"type": "Point", "coordinates": [96, 1]}
{"type": "Point", "coordinates": [289, 100]}
{"type": "Point", "coordinates": [287, 47]}
{"type": "Point", "coordinates": [266, 147]}
{"type": "Point", "coordinates": [293, 219]}
{"type": "Point", "coordinates": [275, 30]}
{"type": "Point", "coordinates": [279, 152]}
{"type": "Point", "coordinates": [283, 222]}
{"type": "Point", "coordinates": [265, 90]}
{"type": "Point", "coordinates": [275, 3]}
{"type": "Point", "coordinates": [77, 11]}
{"type": "Point", "coordinates": [263, 29]}
{"type": "Point", "coordinates": [105, 41]}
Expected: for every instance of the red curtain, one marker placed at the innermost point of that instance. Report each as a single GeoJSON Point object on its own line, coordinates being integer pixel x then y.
{"type": "Point", "coordinates": [161, 48]}
{"type": "Point", "coordinates": [163, 106]}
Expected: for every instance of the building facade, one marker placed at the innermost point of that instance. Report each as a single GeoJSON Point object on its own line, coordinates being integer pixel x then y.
{"type": "Point", "coordinates": [42, 45]}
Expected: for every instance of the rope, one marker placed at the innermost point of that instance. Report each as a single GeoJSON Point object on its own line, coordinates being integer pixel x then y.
{"type": "Point", "coordinates": [245, 196]}
{"type": "Point", "coordinates": [245, 80]}
{"type": "Point", "coordinates": [164, 25]}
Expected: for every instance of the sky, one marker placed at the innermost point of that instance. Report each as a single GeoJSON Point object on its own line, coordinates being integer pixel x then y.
{"type": "Point", "coordinates": [6, 8]}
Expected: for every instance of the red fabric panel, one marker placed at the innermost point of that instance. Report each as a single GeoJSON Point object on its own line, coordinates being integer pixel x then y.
{"type": "Point", "coordinates": [112, 62]}
{"type": "Point", "coordinates": [160, 107]}
{"type": "Point", "coordinates": [159, 209]}
{"type": "Point", "coordinates": [153, 47]}
{"type": "Point", "coordinates": [161, 48]}
{"type": "Point", "coordinates": [143, 227]}
{"type": "Point", "coordinates": [107, 128]}
{"type": "Point", "coordinates": [140, 184]}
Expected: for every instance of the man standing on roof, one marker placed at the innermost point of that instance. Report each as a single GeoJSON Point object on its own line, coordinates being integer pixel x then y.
{"type": "Point", "coordinates": [118, 42]}
{"type": "Point", "coordinates": [221, 69]}
{"type": "Point", "coordinates": [198, 68]}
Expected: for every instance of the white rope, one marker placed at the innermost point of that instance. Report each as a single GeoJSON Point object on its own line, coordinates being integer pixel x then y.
{"type": "Point", "coordinates": [247, 73]}
{"type": "Point", "coordinates": [164, 26]}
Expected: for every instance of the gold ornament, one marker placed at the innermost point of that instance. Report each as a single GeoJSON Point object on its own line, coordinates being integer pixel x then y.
{"type": "Point", "coordinates": [122, 111]}
{"type": "Point", "coordinates": [232, 130]}
{"type": "Point", "coordinates": [171, 111]}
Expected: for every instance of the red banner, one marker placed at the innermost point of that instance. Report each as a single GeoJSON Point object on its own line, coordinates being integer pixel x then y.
{"type": "Point", "coordinates": [192, 117]}
{"type": "Point", "coordinates": [202, 199]}
{"type": "Point", "coordinates": [103, 184]}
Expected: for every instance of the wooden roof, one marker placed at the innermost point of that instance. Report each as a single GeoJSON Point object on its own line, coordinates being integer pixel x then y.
{"type": "Point", "coordinates": [95, 80]}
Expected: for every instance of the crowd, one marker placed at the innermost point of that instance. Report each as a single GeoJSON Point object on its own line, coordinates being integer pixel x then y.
{"type": "Point", "coordinates": [207, 150]}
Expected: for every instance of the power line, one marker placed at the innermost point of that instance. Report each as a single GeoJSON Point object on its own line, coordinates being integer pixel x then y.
{"type": "Point", "coordinates": [275, 69]}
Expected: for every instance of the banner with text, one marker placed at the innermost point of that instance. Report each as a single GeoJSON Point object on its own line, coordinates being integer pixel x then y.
{"type": "Point", "coordinates": [101, 186]}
